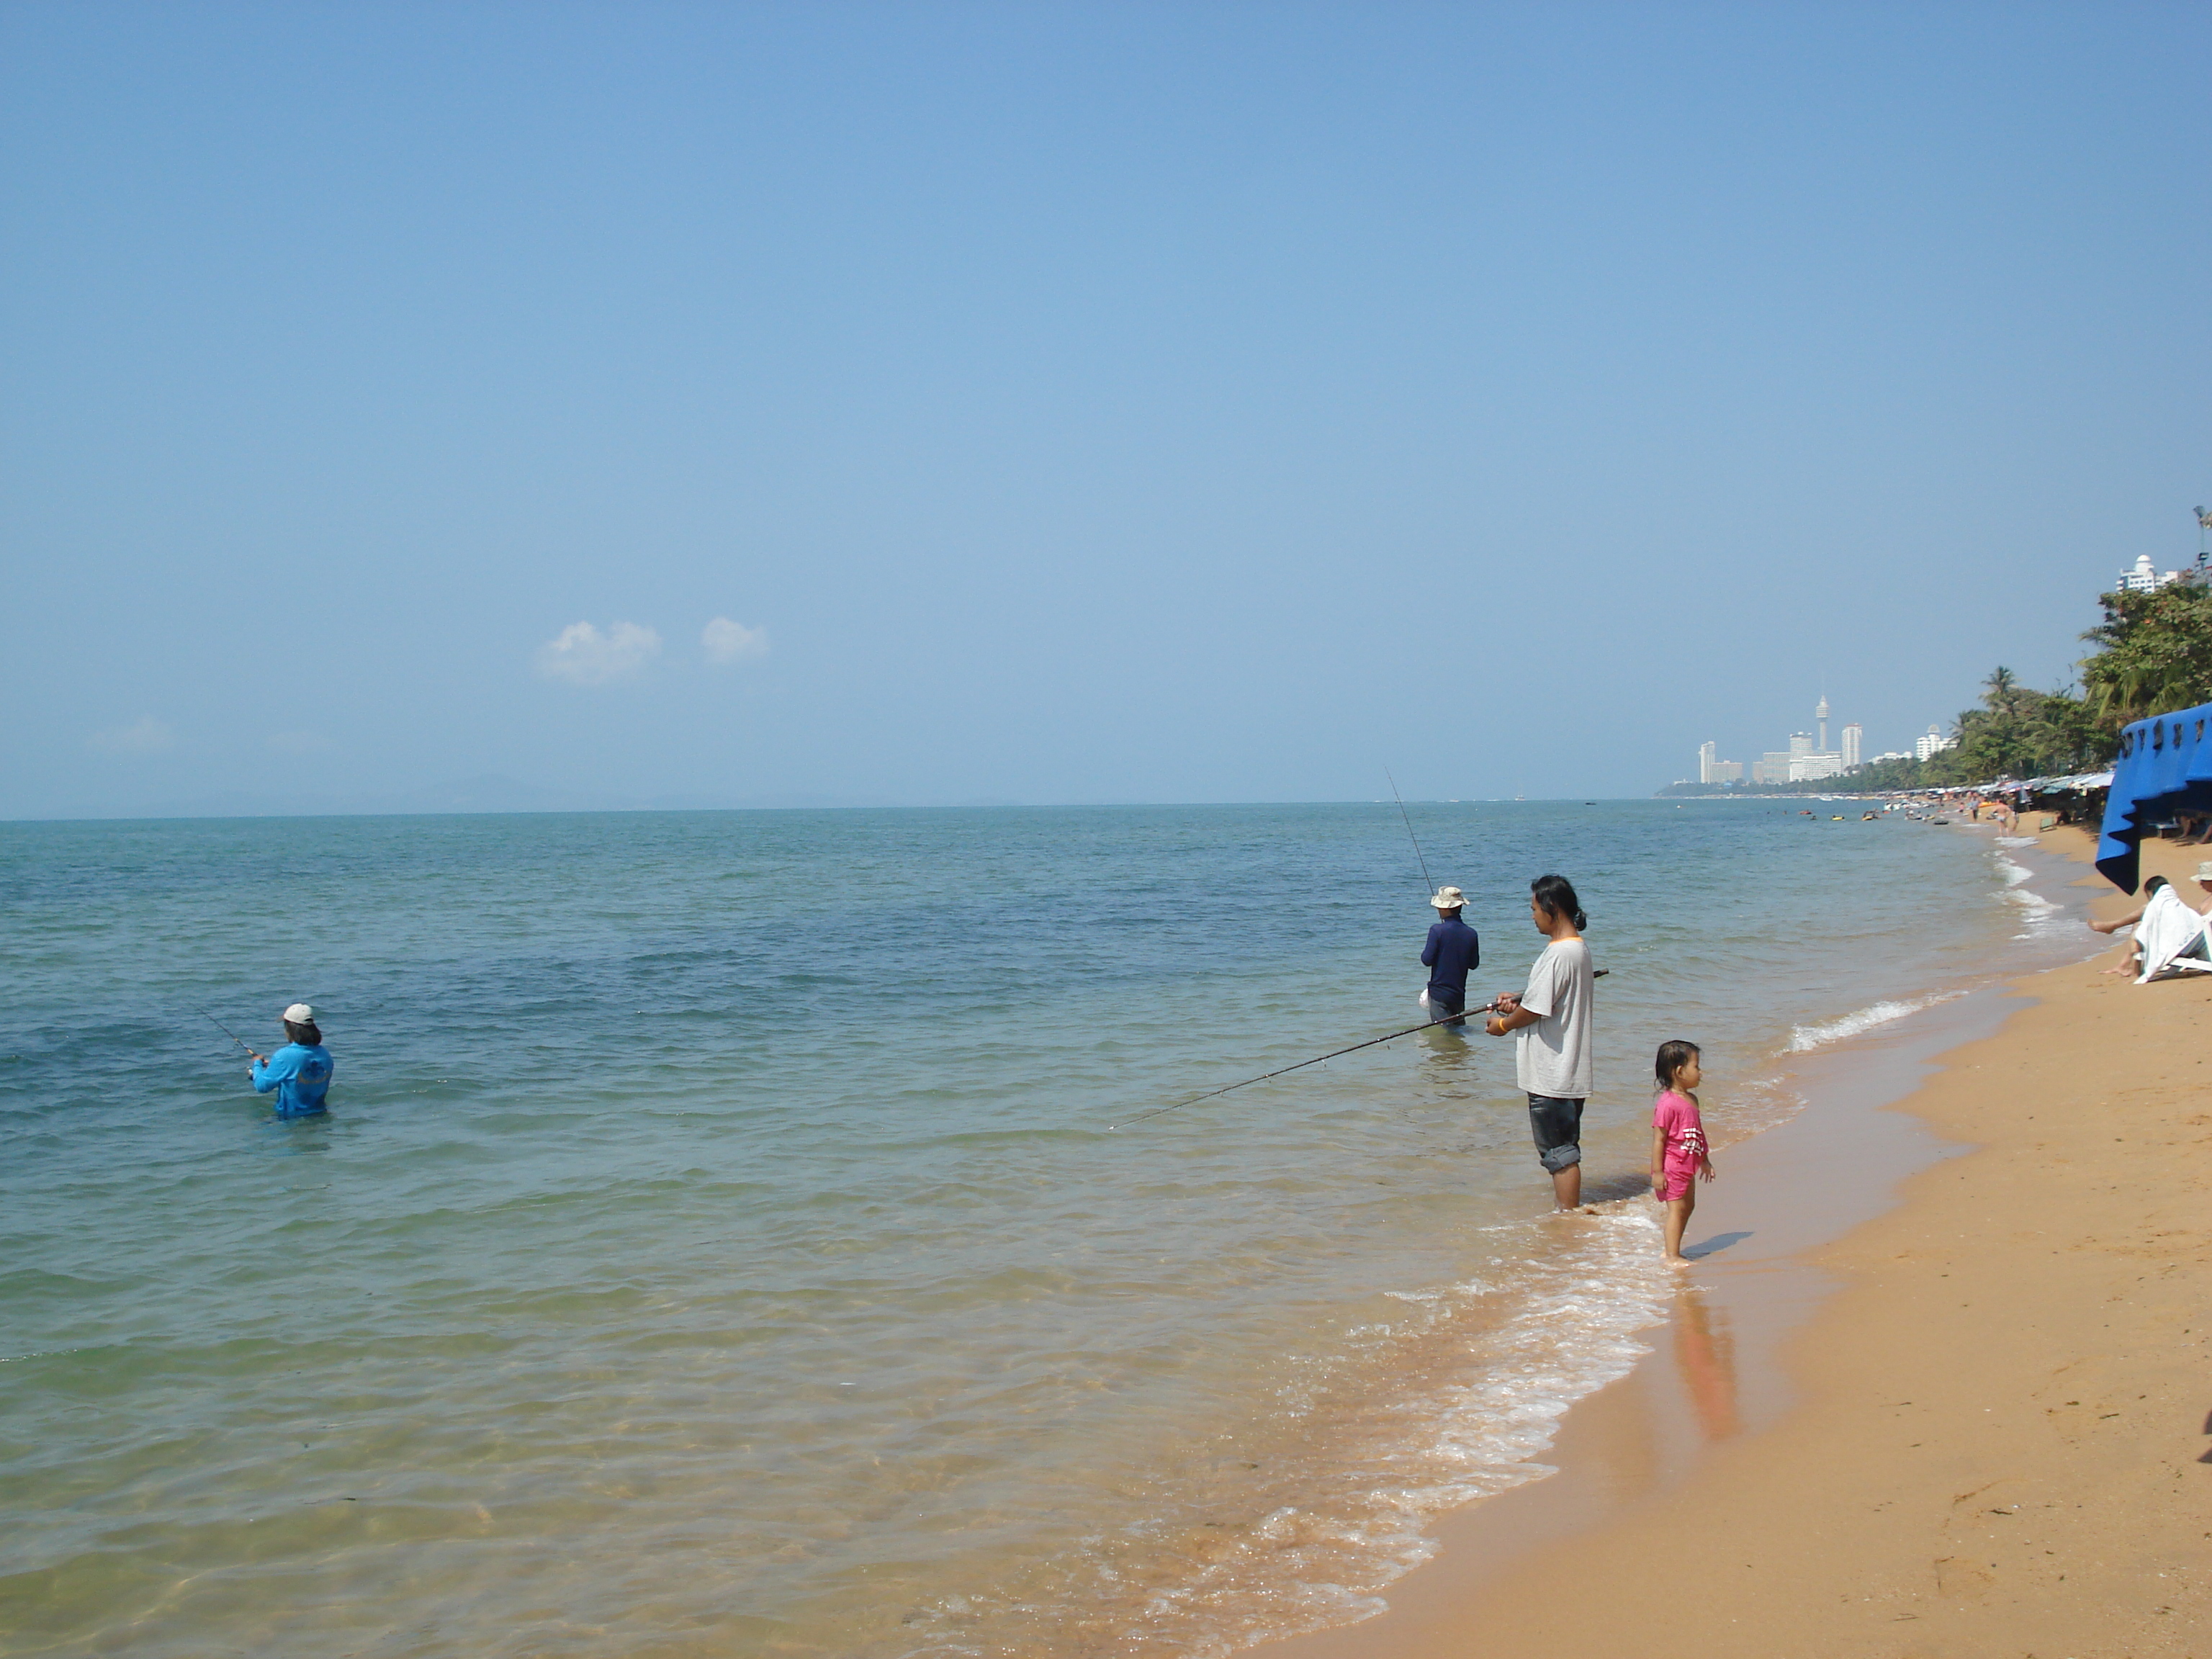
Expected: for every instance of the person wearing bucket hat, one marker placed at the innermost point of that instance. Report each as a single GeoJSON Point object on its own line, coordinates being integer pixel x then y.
{"type": "Point", "coordinates": [1452, 951]}
{"type": "Point", "coordinates": [299, 1074]}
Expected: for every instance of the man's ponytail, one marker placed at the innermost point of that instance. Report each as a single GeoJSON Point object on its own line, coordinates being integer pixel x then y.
{"type": "Point", "coordinates": [1556, 894]}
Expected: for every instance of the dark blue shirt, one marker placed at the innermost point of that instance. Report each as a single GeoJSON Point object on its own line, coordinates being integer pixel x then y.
{"type": "Point", "coordinates": [1452, 951]}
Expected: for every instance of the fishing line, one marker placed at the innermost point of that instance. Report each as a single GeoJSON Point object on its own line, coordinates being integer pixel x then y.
{"type": "Point", "coordinates": [1410, 836]}
{"type": "Point", "coordinates": [227, 1032]}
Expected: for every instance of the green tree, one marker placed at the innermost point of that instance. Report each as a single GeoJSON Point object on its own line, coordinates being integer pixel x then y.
{"type": "Point", "coordinates": [2153, 654]}
{"type": "Point", "coordinates": [2015, 733]}
{"type": "Point", "coordinates": [2019, 734]}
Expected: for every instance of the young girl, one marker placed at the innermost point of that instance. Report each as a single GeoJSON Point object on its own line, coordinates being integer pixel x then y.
{"type": "Point", "coordinates": [1677, 1140]}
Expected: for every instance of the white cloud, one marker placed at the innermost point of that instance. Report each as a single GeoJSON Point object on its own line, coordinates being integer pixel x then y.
{"type": "Point", "coordinates": [728, 641]}
{"type": "Point", "coordinates": [141, 738]}
{"type": "Point", "coordinates": [584, 656]}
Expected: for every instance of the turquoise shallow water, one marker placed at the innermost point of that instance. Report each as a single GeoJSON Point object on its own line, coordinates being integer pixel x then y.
{"type": "Point", "coordinates": [722, 1242]}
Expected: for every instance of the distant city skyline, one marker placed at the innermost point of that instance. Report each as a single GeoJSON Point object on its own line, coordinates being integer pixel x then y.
{"type": "Point", "coordinates": [1808, 758]}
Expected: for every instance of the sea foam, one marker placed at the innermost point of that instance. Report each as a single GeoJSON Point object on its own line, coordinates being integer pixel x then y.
{"type": "Point", "coordinates": [2042, 916]}
{"type": "Point", "coordinates": [1804, 1038]}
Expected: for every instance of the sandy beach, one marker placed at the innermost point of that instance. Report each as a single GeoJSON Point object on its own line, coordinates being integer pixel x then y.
{"type": "Point", "coordinates": [1991, 1434]}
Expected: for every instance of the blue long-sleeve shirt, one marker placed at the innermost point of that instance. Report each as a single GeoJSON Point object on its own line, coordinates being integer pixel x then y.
{"type": "Point", "coordinates": [1453, 951]}
{"type": "Point", "coordinates": [300, 1075]}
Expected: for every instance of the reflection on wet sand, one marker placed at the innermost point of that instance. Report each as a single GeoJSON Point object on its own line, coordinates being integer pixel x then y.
{"type": "Point", "coordinates": [1645, 1436]}
{"type": "Point", "coordinates": [1705, 1354]}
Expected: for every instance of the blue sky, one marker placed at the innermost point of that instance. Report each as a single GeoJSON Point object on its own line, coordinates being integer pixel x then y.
{"type": "Point", "coordinates": [934, 404]}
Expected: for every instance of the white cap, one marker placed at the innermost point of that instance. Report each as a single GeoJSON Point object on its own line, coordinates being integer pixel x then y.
{"type": "Point", "coordinates": [299, 1014]}
{"type": "Point", "coordinates": [1450, 899]}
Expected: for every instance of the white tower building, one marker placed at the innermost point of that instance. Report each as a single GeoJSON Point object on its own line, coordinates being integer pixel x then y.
{"type": "Point", "coordinates": [1853, 739]}
{"type": "Point", "coordinates": [2145, 578]}
{"type": "Point", "coordinates": [1707, 753]}
{"type": "Point", "coordinates": [1820, 714]}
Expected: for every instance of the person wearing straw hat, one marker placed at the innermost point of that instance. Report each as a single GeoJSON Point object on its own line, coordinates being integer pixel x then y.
{"type": "Point", "coordinates": [1452, 951]}
{"type": "Point", "coordinates": [299, 1074]}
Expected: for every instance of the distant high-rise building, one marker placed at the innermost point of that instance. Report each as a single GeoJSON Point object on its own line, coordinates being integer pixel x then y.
{"type": "Point", "coordinates": [1853, 737]}
{"type": "Point", "coordinates": [1933, 744]}
{"type": "Point", "coordinates": [1801, 743]}
{"type": "Point", "coordinates": [1812, 767]}
{"type": "Point", "coordinates": [1711, 768]}
{"type": "Point", "coordinates": [1821, 715]}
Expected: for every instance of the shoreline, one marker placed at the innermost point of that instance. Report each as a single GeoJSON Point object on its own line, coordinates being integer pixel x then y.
{"type": "Point", "coordinates": [1764, 1455]}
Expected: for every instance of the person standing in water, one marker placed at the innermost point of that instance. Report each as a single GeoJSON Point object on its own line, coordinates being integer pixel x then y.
{"type": "Point", "coordinates": [299, 1072]}
{"type": "Point", "coordinates": [1679, 1152]}
{"type": "Point", "coordinates": [1453, 950]}
{"type": "Point", "coordinates": [1551, 1026]}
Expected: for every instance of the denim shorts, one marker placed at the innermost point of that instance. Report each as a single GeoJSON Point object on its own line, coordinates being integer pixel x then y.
{"type": "Point", "coordinates": [1558, 1125]}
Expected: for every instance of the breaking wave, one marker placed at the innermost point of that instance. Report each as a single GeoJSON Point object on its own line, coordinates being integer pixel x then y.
{"type": "Point", "coordinates": [1804, 1038]}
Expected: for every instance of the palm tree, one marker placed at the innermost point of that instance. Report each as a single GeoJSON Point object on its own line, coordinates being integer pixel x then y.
{"type": "Point", "coordinates": [2001, 693]}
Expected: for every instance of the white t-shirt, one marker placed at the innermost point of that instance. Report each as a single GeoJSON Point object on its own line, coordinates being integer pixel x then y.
{"type": "Point", "coordinates": [1552, 1056]}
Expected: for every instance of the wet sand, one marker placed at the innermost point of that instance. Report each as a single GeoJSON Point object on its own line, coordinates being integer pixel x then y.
{"type": "Point", "coordinates": [1965, 1413]}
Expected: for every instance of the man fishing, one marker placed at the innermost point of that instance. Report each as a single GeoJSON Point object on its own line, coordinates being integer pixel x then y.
{"type": "Point", "coordinates": [1550, 1023]}
{"type": "Point", "coordinates": [299, 1074]}
{"type": "Point", "coordinates": [1452, 951]}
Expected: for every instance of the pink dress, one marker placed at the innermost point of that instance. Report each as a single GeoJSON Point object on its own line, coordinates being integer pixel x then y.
{"type": "Point", "coordinates": [1677, 1113]}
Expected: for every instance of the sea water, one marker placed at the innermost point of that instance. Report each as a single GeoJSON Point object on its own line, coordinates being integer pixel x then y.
{"type": "Point", "coordinates": [734, 1234]}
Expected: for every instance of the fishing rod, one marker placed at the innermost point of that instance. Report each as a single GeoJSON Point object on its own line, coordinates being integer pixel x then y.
{"type": "Point", "coordinates": [227, 1032]}
{"type": "Point", "coordinates": [1489, 1008]}
{"type": "Point", "coordinates": [1441, 1020]}
{"type": "Point", "coordinates": [1410, 836]}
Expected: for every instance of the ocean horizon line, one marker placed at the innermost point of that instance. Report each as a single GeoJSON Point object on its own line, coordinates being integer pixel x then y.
{"type": "Point", "coordinates": [180, 812]}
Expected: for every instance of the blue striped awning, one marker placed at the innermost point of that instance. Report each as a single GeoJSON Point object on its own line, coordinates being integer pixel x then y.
{"type": "Point", "coordinates": [2165, 767]}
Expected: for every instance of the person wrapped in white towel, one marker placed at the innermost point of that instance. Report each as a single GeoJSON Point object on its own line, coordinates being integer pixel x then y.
{"type": "Point", "coordinates": [2170, 937]}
